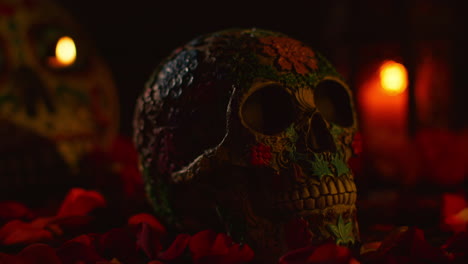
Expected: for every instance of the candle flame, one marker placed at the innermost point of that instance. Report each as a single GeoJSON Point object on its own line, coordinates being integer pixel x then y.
{"type": "Point", "coordinates": [65, 51]}
{"type": "Point", "coordinates": [393, 77]}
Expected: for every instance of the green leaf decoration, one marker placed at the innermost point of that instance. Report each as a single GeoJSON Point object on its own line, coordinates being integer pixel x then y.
{"type": "Point", "coordinates": [340, 166]}
{"type": "Point", "coordinates": [336, 130]}
{"type": "Point", "coordinates": [343, 233]}
{"type": "Point", "coordinates": [319, 167]}
{"type": "Point", "coordinates": [292, 134]}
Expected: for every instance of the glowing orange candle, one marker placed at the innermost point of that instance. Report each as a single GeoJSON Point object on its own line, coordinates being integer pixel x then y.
{"type": "Point", "coordinates": [383, 98]}
{"type": "Point", "coordinates": [65, 53]}
{"type": "Point", "coordinates": [393, 77]}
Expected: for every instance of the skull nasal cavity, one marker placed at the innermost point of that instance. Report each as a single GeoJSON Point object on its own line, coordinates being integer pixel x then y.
{"type": "Point", "coordinates": [320, 138]}
{"type": "Point", "coordinates": [269, 110]}
{"type": "Point", "coordinates": [334, 103]}
{"type": "Point", "coordinates": [32, 90]}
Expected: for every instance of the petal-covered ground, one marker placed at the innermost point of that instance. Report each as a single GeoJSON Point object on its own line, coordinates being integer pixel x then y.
{"type": "Point", "coordinates": [91, 226]}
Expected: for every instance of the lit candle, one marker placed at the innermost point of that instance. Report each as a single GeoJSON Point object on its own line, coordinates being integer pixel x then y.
{"type": "Point", "coordinates": [65, 53]}
{"type": "Point", "coordinates": [383, 100]}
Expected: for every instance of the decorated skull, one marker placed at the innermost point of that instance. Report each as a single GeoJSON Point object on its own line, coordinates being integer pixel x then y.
{"type": "Point", "coordinates": [249, 132]}
{"type": "Point", "coordinates": [57, 99]}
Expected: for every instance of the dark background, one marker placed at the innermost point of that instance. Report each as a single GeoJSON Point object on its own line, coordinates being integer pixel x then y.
{"type": "Point", "coordinates": [133, 36]}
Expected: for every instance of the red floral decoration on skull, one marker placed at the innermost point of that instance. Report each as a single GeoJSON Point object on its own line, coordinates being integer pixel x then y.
{"type": "Point", "coordinates": [357, 144]}
{"type": "Point", "coordinates": [291, 54]}
{"type": "Point", "coordinates": [260, 155]}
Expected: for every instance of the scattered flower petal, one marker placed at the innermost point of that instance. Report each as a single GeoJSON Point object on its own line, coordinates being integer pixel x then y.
{"type": "Point", "coordinates": [150, 220]}
{"type": "Point", "coordinates": [39, 254]}
{"type": "Point", "coordinates": [80, 202]}
{"type": "Point", "coordinates": [119, 243]}
{"type": "Point", "coordinates": [328, 253]}
{"type": "Point", "coordinates": [20, 232]}
{"type": "Point", "coordinates": [10, 210]}
{"type": "Point", "coordinates": [148, 241]}
{"type": "Point", "coordinates": [201, 243]}
{"type": "Point", "coordinates": [176, 249]}
{"type": "Point", "coordinates": [209, 247]}
{"type": "Point", "coordinates": [73, 252]}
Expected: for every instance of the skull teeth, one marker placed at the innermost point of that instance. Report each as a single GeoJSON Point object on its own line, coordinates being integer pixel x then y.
{"type": "Point", "coordinates": [330, 192]}
{"type": "Point", "coordinates": [347, 185]}
{"type": "Point", "coordinates": [341, 188]}
{"type": "Point", "coordinates": [314, 191]}
{"type": "Point", "coordinates": [305, 193]}
{"type": "Point", "coordinates": [309, 203]}
{"type": "Point", "coordinates": [299, 204]}
{"type": "Point", "coordinates": [332, 187]}
{"type": "Point", "coordinates": [321, 203]}
{"type": "Point", "coordinates": [324, 188]}
{"type": "Point", "coordinates": [336, 199]}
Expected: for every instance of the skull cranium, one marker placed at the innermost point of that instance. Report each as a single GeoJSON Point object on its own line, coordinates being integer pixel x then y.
{"type": "Point", "coordinates": [54, 110]}
{"type": "Point", "coordinates": [249, 131]}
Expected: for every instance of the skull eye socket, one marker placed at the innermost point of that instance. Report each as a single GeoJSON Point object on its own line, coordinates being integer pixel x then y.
{"type": "Point", "coordinates": [333, 102]}
{"type": "Point", "coordinates": [269, 110]}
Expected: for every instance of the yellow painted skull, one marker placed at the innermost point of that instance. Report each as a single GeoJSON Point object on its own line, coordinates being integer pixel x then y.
{"type": "Point", "coordinates": [57, 97]}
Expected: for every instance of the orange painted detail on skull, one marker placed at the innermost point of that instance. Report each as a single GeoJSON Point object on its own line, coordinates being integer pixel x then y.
{"type": "Point", "coordinates": [291, 54]}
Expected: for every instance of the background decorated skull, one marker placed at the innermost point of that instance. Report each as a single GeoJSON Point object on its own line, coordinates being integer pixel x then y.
{"type": "Point", "coordinates": [249, 131]}
{"type": "Point", "coordinates": [57, 98]}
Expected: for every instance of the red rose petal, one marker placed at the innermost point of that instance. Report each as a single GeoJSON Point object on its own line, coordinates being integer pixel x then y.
{"type": "Point", "coordinates": [39, 254]}
{"type": "Point", "coordinates": [202, 242]}
{"type": "Point", "coordinates": [119, 243]}
{"type": "Point", "coordinates": [150, 220]}
{"type": "Point", "coordinates": [408, 245]}
{"type": "Point", "coordinates": [241, 253]}
{"type": "Point", "coordinates": [330, 253]}
{"type": "Point", "coordinates": [155, 262]}
{"type": "Point", "coordinates": [87, 239]}
{"type": "Point", "coordinates": [72, 222]}
{"type": "Point", "coordinates": [297, 256]}
{"type": "Point", "coordinates": [148, 240]}
{"type": "Point", "coordinates": [10, 210]}
{"type": "Point", "coordinates": [207, 247]}
{"type": "Point", "coordinates": [221, 244]}
{"type": "Point", "coordinates": [176, 249]}
{"type": "Point", "coordinates": [17, 231]}
{"type": "Point", "coordinates": [80, 202]}
{"type": "Point", "coordinates": [73, 252]}
{"type": "Point", "coordinates": [10, 259]}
